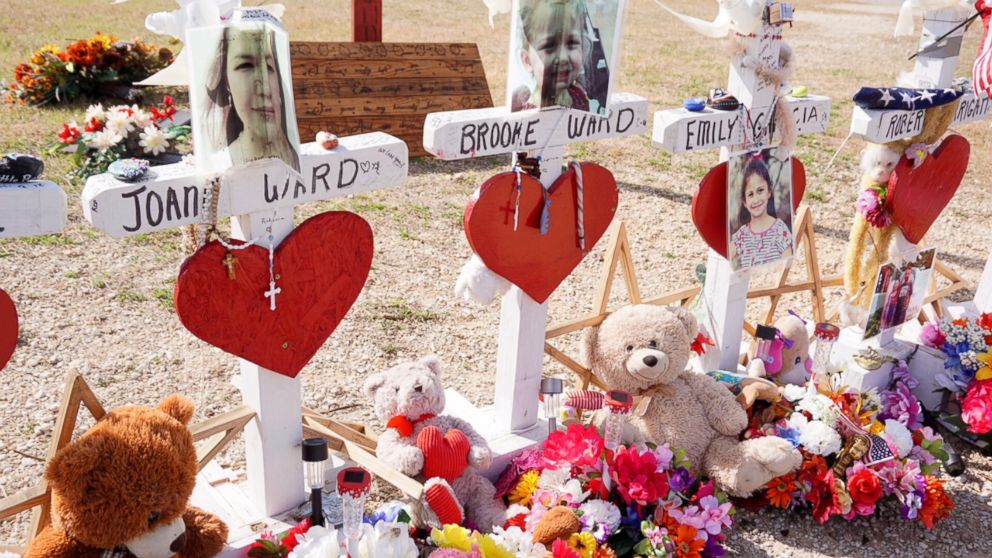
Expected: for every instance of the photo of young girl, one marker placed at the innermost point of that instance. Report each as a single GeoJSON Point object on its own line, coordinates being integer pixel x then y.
{"type": "Point", "coordinates": [759, 206]}
{"type": "Point", "coordinates": [899, 291]}
{"type": "Point", "coordinates": [561, 52]}
{"type": "Point", "coordinates": [242, 96]}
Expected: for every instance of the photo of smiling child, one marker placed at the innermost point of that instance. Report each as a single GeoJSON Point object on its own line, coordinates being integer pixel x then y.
{"type": "Point", "coordinates": [242, 97]}
{"type": "Point", "coordinates": [562, 52]}
{"type": "Point", "coordinates": [759, 209]}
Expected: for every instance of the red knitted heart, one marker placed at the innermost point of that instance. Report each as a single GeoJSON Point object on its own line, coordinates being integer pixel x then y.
{"type": "Point", "coordinates": [709, 203]}
{"type": "Point", "coordinates": [534, 262]}
{"type": "Point", "coordinates": [917, 196]}
{"type": "Point", "coordinates": [8, 328]}
{"type": "Point", "coordinates": [321, 268]}
{"type": "Point", "coordinates": [444, 456]}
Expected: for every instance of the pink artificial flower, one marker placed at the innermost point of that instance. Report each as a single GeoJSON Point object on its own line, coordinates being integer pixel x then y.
{"type": "Point", "coordinates": [580, 446]}
{"type": "Point", "coordinates": [976, 407]}
{"type": "Point", "coordinates": [715, 515]}
{"type": "Point", "coordinates": [931, 336]}
{"type": "Point", "coordinates": [897, 477]}
{"type": "Point", "coordinates": [871, 208]}
{"type": "Point", "coordinates": [900, 404]}
{"type": "Point", "coordinates": [690, 515]}
{"type": "Point", "coordinates": [636, 477]}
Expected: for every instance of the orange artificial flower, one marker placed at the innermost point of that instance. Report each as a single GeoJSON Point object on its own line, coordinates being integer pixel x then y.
{"type": "Point", "coordinates": [936, 504]}
{"type": "Point", "coordinates": [686, 543]}
{"type": "Point", "coordinates": [780, 490]}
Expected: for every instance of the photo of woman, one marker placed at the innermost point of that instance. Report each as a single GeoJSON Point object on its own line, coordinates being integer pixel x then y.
{"type": "Point", "coordinates": [561, 54]}
{"type": "Point", "coordinates": [759, 203]}
{"type": "Point", "coordinates": [242, 97]}
{"type": "Point", "coordinates": [899, 292]}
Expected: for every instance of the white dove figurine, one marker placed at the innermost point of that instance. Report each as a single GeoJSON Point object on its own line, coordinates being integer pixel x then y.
{"type": "Point", "coordinates": [905, 26]}
{"type": "Point", "coordinates": [741, 16]}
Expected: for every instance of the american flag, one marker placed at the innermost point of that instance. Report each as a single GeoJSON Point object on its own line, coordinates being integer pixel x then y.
{"type": "Point", "coordinates": [981, 72]}
{"type": "Point", "coordinates": [878, 448]}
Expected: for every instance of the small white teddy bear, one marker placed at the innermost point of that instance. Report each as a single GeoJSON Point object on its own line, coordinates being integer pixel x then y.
{"type": "Point", "coordinates": [443, 451]}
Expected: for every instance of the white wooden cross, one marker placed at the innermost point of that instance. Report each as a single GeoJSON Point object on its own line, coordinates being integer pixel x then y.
{"type": "Point", "coordinates": [31, 208]}
{"type": "Point", "coordinates": [480, 132]}
{"type": "Point", "coordinates": [259, 198]}
{"type": "Point", "coordinates": [679, 130]}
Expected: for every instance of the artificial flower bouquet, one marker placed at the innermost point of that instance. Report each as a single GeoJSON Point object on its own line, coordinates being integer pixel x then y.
{"type": "Point", "coordinates": [84, 67]}
{"type": "Point", "coordinates": [862, 452]}
{"type": "Point", "coordinates": [967, 375]}
{"type": "Point", "coordinates": [635, 501]}
{"type": "Point", "coordinates": [120, 132]}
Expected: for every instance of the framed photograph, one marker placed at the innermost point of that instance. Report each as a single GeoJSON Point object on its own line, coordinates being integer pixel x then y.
{"type": "Point", "coordinates": [563, 53]}
{"type": "Point", "coordinates": [759, 209]}
{"type": "Point", "coordinates": [241, 94]}
{"type": "Point", "coordinates": [900, 290]}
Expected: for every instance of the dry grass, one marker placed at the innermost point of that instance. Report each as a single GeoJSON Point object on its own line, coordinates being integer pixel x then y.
{"type": "Point", "coordinates": [95, 305]}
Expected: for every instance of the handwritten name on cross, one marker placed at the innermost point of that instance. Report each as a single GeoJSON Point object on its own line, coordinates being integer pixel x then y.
{"type": "Point", "coordinates": [465, 134]}
{"type": "Point", "coordinates": [679, 131]}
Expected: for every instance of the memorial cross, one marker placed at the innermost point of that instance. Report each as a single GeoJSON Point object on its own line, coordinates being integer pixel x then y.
{"type": "Point", "coordinates": [31, 208]}
{"type": "Point", "coordinates": [260, 199]}
{"type": "Point", "coordinates": [541, 133]}
{"type": "Point", "coordinates": [679, 130]}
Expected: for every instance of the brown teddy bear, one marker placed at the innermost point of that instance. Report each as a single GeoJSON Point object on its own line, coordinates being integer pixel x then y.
{"type": "Point", "coordinates": [444, 451]}
{"type": "Point", "coordinates": [122, 489]}
{"type": "Point", "coordinates": [643, 349]}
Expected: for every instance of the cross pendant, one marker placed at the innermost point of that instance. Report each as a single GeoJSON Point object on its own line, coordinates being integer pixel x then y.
{"type": "Point", "coordinates": [271, 295]}
{"type": "Point", "coordinates": [229, 262]}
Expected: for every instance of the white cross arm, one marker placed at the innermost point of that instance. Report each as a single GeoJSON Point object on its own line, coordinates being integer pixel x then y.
{"type": "Point", "coordinates": [31, 208]}
{"type": "Point", "coordinates": [679, 130]}
{"type": "Point", "coordinates": [176, 195]}
{"type": "Point", "coordinates": [463, 134]}
{"type": "Point", "coordinates": [883, 126]}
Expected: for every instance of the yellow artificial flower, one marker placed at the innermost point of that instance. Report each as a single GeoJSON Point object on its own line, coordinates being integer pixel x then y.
{"type": "Point", "coordinates": [102, 41]}
{"type": "Point", "coordinates": [985, 372]}
{"type": "Point", "coordinates": [490, 548]}
{"type": "Point", "coordinates": [876, 428]}
{"type": "Point", "coordinates": [525, 488]}
{"type": "Point", "coordinates": [583, 543]}
{"type": "Point", "coordinates": [452, 536]}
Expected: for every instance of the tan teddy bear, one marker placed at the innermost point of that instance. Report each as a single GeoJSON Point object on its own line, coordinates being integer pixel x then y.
{"type": "Point", "coordinates": [444, 451]}
{"type": "Point", "coordinates": [644, 349]}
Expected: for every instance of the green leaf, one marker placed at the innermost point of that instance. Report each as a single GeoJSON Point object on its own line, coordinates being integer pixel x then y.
{"type": "Point", "coordinates": [404, 517]}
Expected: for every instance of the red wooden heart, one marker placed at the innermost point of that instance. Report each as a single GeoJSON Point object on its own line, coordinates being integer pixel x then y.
{"type": "Point", "coordinates": [534, 262]}
{"type": "Point", "coordinates": [709, 203]}
{"type": "Point", "coordinates": [321, 268]}
{"type": "Point", "coordinates": [917, 196]}
{"type": "Point", "coordinates": [8, 328]}
{"type": "Point", "coordinates": [444, 456]}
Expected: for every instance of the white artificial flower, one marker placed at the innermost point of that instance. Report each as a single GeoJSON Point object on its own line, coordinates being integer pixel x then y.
{"type": "Point", "coordinates": [140, 118]}
{"type": "Point", "coordinates": [94, 111]}
{"type": "Point", "coordinates": [554, 479]}
{"type": "Point", "coordinates": [900, 436]}
{"type": "Point", "coordinates": [386, 540]}
{"type": "Point", "coordinates": [103, 140]}
{"type": "Point", "coordinates": [820, 407]}
{"type": "Point", "coordinates": [815, 436]}
{"type": "Point", "coordinates": [519, 542]}
{"type": "Point", "coordinates": [119, 121]}
{"type": "Point", "coordinates": [794, 392]}
{"type": "Point", "coordinates": [318, 542]}
{"type": "Point", "coordinates": [153, 140]}
{"type": "Point", "coordinates": [573, 488]}
{"type": "Point", "coordinates": [600, 517]}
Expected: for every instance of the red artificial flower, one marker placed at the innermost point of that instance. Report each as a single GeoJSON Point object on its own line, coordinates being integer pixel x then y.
{"type": "Point", "coordinates": [598, 489]}
{"type": "Point", "coordinates": [823, 496]}
{"type": "Point", "coordinates": [637, 478]}
{"type": "Point", "coordinates": [865, 489]}
{"type": "Point", "coordinates": [579, 445]}
{"type": "Point", "coordinates": [699, 343]}
{"type": "Point", "coordinates": [94, 125]}
{"type": "Point", "coordinates": [69, 134]}
{"type": "Point", "coordinates": [687, 545]}
{"type": "Point", "coordinates": [519, 520]}
{"type": "Point", "coordinates": [560, 549]}
{"type": "Point", "coordinates": [290, 541]}
{"type": "Point", "coordinates": [780, 490]}
{"type": "Point", "coordinates": [936, 503]}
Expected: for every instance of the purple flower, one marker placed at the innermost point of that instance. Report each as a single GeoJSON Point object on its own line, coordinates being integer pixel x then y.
{"type": "Point", "coordinates": [526, 461]}
{"type": "Point", "coordinates": [681, 480]}
{"type": "Point", "coordinates": [900, 404]}
{"type": "Point", "coordinates": [715, 515]}
{"type": "Point", "coordinates": [900, 373]}
{"type": "Point", "coordinates": [870, 207]}
{"type": "Point", "coordinates": [714, 548]}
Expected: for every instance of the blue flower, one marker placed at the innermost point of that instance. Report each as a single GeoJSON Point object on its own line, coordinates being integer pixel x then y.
{"type": "Point", "coordinates": [790, 434]}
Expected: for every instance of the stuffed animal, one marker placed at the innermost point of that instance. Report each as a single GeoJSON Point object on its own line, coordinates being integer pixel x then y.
{"type": "Point", "coordinates": [122, 489]}
{"type": "Point", "coordinates": [643, 349]}
{"type": "Point", "coordinates": [791, 362]}
{"type": "Point", "coordinates": [444, 451]}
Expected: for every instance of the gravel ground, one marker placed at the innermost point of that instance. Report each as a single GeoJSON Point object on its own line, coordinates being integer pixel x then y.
{"type": "Point", "coordinates": [102, 307]}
